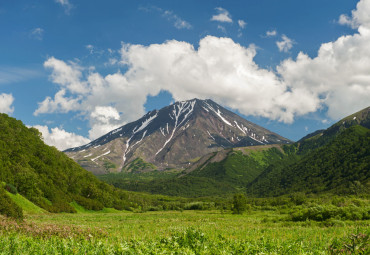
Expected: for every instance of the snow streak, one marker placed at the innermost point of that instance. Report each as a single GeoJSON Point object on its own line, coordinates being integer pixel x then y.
{"type": "Point", "coordinates": [182, 108]}
{"type": "Point", "coordinates": [210, 135]}
{"type": "Point", "coordinates": [218, 113]}
{"type": "Point", "coordinates": [101, 156]}
{"type": "Point", "coordinates": [143, 125]}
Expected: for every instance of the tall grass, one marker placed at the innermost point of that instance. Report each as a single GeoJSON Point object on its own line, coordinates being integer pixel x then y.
{"type": "Point", "coordinates": [187, 232]}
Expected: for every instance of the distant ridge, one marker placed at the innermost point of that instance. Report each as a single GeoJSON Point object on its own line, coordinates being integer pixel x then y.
{"type": "Point", "coordinates": [334, 160]}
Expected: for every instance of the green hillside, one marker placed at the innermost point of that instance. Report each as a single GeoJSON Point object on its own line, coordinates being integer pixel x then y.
{"type": "Point", "coordinates": [27, 206]}
{"type": "Point", "coordinates": [334, 160]}
{"type": "Point", "coordinates": [237, 168]}
{"type": "Point", "coordinates": [46, 176]}
{"type": "Point", "coordinates": [341, 166]}
{"type": "Point", "coordinates": [323, 137]}
{"type": "Point", "coordinates": [230, 175]}
{"type": "Point", "coordinates": [50, 179]}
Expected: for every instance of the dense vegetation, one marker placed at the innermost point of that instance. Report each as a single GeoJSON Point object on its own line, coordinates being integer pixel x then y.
{"type": "Point", "coordinates": [286, 225]}
{"type": "Point", "coordinates": [230, 175]}
{"type": "Point", "coordinates": [335, 160]}
{"type": "Point", "coordinates": [341, 166]}
{"type": "Point", "coordinates": [53, 181]}
{"type": "Point", "coordinates": [45, 175]}
{"type": "Point", "coordinates": [8, 207]}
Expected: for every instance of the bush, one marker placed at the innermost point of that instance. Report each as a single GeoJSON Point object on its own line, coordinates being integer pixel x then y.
{"type": "Point", "coordinates": [323, 213]}
{"type": "Point", "coordinates": [8, 207]}
{"type": "Point", "coordinates": [10, 188]}
{"type": "Point", "coordinates": [239, 204]}
{"type": "Point", "coordinates": [61, 206]}
{"type": "Point", "coordinates": [88, 203]}
{"type": "Point", "coordinates": [154, 208]}
{"type": "Point", "coordinates": [199, 206]}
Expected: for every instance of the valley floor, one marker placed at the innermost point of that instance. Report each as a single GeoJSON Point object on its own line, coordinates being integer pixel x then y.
{"type": "Point", "coordinates": [174, 232]}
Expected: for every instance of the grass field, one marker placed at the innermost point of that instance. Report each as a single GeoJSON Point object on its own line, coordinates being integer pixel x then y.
{"type": "Point", "coordinates": [174, 232]}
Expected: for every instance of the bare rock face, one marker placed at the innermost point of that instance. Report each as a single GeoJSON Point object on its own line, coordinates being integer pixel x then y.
{"type": "Point", "coordinates": [171, 138]}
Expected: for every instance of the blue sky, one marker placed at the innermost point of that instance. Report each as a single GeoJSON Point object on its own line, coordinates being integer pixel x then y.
{"type": "Point", "coordinates": [77, 69]}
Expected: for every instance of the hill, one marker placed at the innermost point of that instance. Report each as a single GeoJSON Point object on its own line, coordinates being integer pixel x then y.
{"type": "Point", "coordinates": [50, 179]}
{"type": "Point", "coordinates": [171, 138]}
{"type": "Point", "coordinates": [219, 173]}
{"type": "Point", "coordinates": [335, 160]}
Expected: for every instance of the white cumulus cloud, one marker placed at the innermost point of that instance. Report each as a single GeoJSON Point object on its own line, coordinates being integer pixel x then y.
{"type": "Point", "coordinates": [104, 119]}
{"type": "Point", "coordinates": [60, 138]}
{"type": "Point", "coordinates": [222, 16]}
{"type": "Point", "coordinates": [6, 101]}
{"type": "Point", "coordinates": [337, 78]}
{"type": "Point", "coordinates": [339, 75]}
{"type": "Point", "coordinates": [360, 16]}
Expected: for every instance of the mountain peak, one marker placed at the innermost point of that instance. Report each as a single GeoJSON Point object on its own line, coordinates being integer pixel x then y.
{"type": "Point", "coordinates": [172, 137]}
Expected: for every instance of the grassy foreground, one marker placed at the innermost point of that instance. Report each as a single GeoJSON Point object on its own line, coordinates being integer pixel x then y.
{"type": "Point", "coordinates": [187, 232]}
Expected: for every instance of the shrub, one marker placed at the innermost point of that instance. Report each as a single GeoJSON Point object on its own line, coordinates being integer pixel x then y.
{"type": "Point", "coordinates": [239, 204]}
{"type": "Point", "coordinates": [199, 206]}
{"type": "Point", "coordinates": [8, 207]}
{"type": "Point", "coordinates": [11, 188]}
{"type": "Point", "coordinates": [88, 203]}
{"type": "Point", "coordinates": [61, 206]}
{"type": "Point", "coordinates": [323, 213]}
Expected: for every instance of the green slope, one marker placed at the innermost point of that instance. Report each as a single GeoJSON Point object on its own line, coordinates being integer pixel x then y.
{"type": "Point", "coordinates": [341, 166]}
{"type": "Point", "coordinates": [323, 137]}
{"type": "Point", "coordinates": [331, 160]}
{"type": "Point", "coordinates": [230, 175]}
{"type": "Point", "coordinates": [27, 206]}
{"type": "Point", "coordinates": [50, 179]}
{"type": "Point", "coordinates": [237, 168]}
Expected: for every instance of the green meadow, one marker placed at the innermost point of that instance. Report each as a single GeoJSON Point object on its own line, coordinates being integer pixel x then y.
{"type": "Point", "coordinates": [181, 232]}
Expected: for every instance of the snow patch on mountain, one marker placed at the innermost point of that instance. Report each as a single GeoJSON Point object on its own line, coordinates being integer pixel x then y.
{"type": "Point", "coordinates": [101, 156]}
{"type": "Point", "coordinates": [184, 107]}
{"type": "Point", "coordinates": [145, 123]}
{"type": "Point", "coordinates": [218, 113]}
